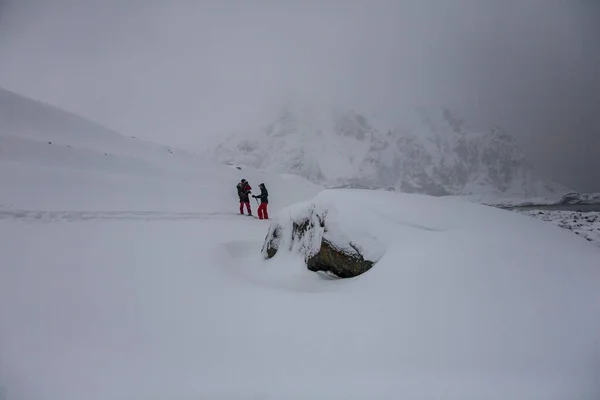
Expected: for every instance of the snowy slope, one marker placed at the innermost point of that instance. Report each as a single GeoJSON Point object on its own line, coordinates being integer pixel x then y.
{"type": "Point", "coordinates": [129, 276]}
{"type": "Point", "coordinates": [430, 152]}
{"type": "Point", "coordinates": [54, 160]}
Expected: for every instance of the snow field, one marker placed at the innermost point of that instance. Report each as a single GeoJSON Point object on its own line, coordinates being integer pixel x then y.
{"type": "Point", "coordinates": [129, 276]}
{"type": "Point", "coordinates": [176, 309]}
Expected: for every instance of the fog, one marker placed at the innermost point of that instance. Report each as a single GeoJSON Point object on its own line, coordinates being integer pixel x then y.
{"type": "Point", "coordinates": [179, 72]}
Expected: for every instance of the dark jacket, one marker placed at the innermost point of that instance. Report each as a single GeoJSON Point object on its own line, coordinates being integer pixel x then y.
{"type": "Point", "coordinates": [244, 190]}
{"type": "Point", "coordinates": [264, 195]}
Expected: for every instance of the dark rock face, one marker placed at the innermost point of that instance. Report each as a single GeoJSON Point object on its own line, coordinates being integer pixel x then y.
{"type": "Point", "coordinates": [308, 234]}
{"type": "Point", "coordinates": [339, 262]}
{"type": "Point", "coordinates": [271, 244]}
{"type": "Point", "coordinates": [580, 198]}
{"type": "Point", "coordinates": [570, 198]}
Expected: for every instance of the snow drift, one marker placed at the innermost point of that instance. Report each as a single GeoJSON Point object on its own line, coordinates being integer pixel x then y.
{"type": "Point", "coordinates": [469, 293]}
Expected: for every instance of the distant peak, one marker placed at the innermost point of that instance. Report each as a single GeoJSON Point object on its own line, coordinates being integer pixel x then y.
{"type": "Point", "coordinates": [429, 149]}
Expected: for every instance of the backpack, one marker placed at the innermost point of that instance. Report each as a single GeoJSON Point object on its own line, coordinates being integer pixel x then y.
{"type": "Point", "coordinates": [240, 189]}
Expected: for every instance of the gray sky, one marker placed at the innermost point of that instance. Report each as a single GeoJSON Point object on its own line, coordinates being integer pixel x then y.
{"type": "Point", "coordinates": [177, 71]}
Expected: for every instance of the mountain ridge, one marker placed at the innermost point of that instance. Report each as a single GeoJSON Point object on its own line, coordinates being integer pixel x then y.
{"type": "Point", "coordinates": [431, 151]}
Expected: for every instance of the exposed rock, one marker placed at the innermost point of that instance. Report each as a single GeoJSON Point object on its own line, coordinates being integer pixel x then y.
{"type": "Point", "coordinates": [271, 244]}
{"type": "Point", "coordinates": [338, 262]}
{"type": "Point", "coordinates": [571, 198]}
{"type": "Point", "coordinates": [580, 198]}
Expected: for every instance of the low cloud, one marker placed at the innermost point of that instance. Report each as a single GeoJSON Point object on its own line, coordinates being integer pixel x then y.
{"type": "Point", "coordinates": [179, 72]}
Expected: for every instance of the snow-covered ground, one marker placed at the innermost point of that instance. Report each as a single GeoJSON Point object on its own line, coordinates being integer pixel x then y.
{"type": "Point", "coordinates": [584, 224]}
{"type": "Point", "coordinates": [125, 273]}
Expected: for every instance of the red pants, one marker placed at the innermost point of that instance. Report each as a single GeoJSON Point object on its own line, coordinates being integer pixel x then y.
{"type": "Point", "coordinates": [262, 211]}
{"type": "Point", "coordinates": [247, 203]}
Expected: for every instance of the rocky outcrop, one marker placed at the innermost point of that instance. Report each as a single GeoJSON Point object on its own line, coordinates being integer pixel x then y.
{"type": "Point", "coordinates": [583, 224]}
{"type": "Point", "coordinates": [580, 198]}
{"type": "Point", "coordinates": [271, 244]}
{"type": "Point", "coordinates": [342, 263]}
{"type": "Point", "coordinates": [311, 236]}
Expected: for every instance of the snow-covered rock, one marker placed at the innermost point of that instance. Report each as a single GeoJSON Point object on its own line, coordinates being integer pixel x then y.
{"type": "Point", "coordinates": [580, 198]}
{"type": "Point", "coordinates": [583, 224]}
{"type": "Point", "coordinates": [431, 152]}
{"type": "Point", "coordinates": [554, 199]}
{"type": "Point", "coordinates": [331, 233]}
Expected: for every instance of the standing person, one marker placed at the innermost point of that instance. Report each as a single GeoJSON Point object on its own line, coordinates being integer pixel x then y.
{"type": "Point", "coordinates": [264, 201]}
{"type": "Point", "coordinates": [244, 190]}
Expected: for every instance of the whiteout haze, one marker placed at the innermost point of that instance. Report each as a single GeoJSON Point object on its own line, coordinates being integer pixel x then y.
{"type": "Point", "coordinates": [126, 273]}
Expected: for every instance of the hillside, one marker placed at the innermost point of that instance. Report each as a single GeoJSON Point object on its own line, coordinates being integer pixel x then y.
{"type": "Point", "coordinates": [431, 152]}
{"type": "Point", "coordinates": [51, 159]}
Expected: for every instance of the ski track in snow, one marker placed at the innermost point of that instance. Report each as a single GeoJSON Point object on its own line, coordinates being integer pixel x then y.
{"type": "Point", "coordinates": [75, 216]}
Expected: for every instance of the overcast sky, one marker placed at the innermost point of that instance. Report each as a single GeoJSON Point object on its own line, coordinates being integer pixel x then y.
{"type": "Point", "coordinates": [177, 71]}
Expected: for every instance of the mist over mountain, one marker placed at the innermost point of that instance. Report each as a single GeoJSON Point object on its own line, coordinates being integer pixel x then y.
{"type": "Point", "coordinates": [185, 73]}
{"type": "Point", "coordinates": [432, 151]}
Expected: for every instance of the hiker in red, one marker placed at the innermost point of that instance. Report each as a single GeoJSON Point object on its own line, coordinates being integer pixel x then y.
{"type": "Point", "coordinates": [244, 190]}
{"type": "Point", "coordinates": [264, 201]}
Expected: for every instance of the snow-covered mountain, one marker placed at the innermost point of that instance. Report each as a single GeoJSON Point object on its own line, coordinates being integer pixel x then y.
{"type": "Point", "coordinates": [431, 152]}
